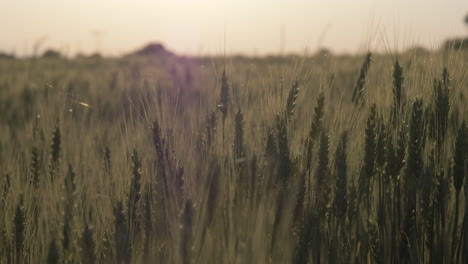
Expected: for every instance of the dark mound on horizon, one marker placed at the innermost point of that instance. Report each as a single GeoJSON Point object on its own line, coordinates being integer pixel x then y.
{"type": "Point", "coordinates": [153, 49]}
{"type": "Point", "coordinates": [456, 43]}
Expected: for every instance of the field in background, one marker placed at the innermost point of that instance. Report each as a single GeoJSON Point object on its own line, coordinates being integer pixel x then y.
{"type": "Point", "coordinates": [163, 159]}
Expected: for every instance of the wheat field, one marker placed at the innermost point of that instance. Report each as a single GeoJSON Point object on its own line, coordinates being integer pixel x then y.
{"type": "Point", "coordinates": [169, 159]}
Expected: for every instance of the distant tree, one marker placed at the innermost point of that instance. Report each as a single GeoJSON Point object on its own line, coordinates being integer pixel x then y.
{"type": "Point", "coordinates": [153, 49]}
{"type": "Point", "coordinates": [4, 55]}
{"type": "Point", "coordinates": [457, 43]}
{"type": "Point", "coordinates": [50, 53]}
{"type": "Point", "coordinates": [95, 55]}
{"type": "Point", "coordinates": [323, 52]}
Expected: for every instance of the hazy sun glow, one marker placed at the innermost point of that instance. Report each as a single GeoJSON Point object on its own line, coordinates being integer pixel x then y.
{"type": "Point", "coordinates": [252, 27]}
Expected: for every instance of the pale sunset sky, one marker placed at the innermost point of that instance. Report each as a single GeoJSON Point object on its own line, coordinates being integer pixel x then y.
{"type": "Point", "coordinates": [253, 27]}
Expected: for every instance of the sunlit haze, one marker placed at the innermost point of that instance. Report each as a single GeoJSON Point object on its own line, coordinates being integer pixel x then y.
{"type": "Point", "coordinates": [253, 27]}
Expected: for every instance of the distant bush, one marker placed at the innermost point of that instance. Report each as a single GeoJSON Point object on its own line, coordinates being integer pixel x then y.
{"type": "Point", "coordinates": [153, 49]}
{"type": "Point", "coordinates": [323, 52]}
{"type": "Point", "coordinates": [457, 43]}
{"type": "Point", "coordinates": [418, 50]}
{"type": "Point", "coordinates": [50, 53]}
{"type": "Point", "coordinates": [6, 56]}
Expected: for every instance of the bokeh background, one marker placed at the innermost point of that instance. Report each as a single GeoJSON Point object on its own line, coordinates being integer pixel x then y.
{"type": "Point", "coordinates": [260, 27]}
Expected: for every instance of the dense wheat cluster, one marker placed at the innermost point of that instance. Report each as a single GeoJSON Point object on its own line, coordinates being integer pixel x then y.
{"type": "Point", "coordinates": [165, 159]}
